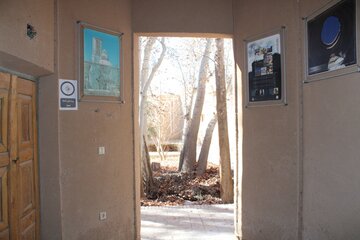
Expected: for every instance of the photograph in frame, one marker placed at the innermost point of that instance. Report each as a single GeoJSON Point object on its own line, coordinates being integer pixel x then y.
{"type": "Point", "coordinates": [100, 60]}
{"type": "Point", "coordinates": [331, 39]}
{"type": "Point", "coordinates": [264, 69]}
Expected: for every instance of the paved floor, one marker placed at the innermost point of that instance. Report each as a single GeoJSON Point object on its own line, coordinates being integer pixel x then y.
{"type": "Point", "coordinates": [189, 222]}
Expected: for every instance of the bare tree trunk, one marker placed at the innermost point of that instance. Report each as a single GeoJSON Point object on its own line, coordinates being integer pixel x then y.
{"type": "Point", "coordinates": [226, 182]}
{"type": "Point", "coordinates": [145, 79]}
{"type": "Point", "coordinates": [189, 148]}
{"type": "Point", "coordinates": [205, 147]}
{"type": "Point", "coordinates": [148, 181]}
{"type": "Point", "coordinates": [186, 129]}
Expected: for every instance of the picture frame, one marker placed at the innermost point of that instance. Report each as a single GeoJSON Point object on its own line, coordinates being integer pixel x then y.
{"type": "Point", "coordinates": [265, 69]}
{"type": "Point", "coordinates": [331, 40]}
{"type": "Point", "coordinates": [100, 64]}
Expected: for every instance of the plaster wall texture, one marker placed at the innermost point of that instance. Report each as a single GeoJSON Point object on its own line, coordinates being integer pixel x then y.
{"type": "Point", "coordinates": [91, 183]}
{"type": "Point", "coordinates": [310, 149]}
{"type": "Point", "coordinates": [270, 158]}
{"type": "Point", "coordinates": [49, 159]}
{"type": "Point", "coordinates": [19, 53]}
{"type": "Point", "coordinates": [331, 154]}
{"type": "Point", "coordinates": [172, 16]}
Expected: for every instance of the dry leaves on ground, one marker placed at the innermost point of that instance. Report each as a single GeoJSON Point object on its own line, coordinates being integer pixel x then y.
{"type": "Point", "coordinates": [176, 188]}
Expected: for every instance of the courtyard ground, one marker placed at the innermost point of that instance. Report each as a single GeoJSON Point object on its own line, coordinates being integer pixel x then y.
{"type": "Point", "coordinates": [188, 222]}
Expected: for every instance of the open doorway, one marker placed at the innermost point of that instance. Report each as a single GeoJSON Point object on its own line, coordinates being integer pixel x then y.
{"type": "Point", "coordinates": [187, 129]}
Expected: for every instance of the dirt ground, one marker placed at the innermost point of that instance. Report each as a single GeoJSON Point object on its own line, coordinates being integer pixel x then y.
{"type": "Point", "coordinates": [174, 188]}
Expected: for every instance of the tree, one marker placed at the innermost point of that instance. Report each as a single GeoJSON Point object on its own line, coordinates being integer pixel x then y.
{"type": "Point", "coordinates": [147, 183]}
{"type": "Point", "coordinates": [188, 153]}
{"type": "Point", "coordinates": [147, 74]}
{"type": "Point", "coordinates": [205, 147]}
{"type": "Point", "coordinates": [164, 121]}
{"type": "Point", "coordinates": [226, 182]}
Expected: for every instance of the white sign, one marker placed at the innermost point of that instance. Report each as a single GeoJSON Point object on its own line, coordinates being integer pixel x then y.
{"type": "Point", "coordinates": [68, 99]}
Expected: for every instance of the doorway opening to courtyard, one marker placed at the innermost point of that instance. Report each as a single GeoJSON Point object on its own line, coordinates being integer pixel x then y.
{"type": "Point", "coordinates": [187, 133]}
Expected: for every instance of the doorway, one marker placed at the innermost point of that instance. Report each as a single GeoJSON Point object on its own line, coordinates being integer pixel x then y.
{"type": "Point", "coordinates": [174, 67]}
{"type": "Point", "coordinates": [19, 188]}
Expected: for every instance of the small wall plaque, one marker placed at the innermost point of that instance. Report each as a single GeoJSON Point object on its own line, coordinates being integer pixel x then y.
{"type": "Point", "coordinates": [68, 99]}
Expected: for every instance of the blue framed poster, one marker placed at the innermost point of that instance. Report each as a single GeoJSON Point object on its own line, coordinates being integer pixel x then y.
{"type": "Point", "coordinates": [100, 64]}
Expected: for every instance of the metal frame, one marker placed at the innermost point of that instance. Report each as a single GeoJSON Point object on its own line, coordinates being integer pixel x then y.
{"type": "Point", "coordinates": [89, 98]}
{"type": "Point", "coordinates": [338, 72]}
{"type": "Point", "coordinates": [282, 100]}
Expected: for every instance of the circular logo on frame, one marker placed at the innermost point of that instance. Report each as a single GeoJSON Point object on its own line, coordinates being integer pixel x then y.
{"type": "Point", "coordinates": [67, 88]}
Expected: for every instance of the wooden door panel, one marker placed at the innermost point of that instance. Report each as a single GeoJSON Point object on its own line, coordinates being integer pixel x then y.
{"type": "Point", "coordinates": [4, 159]}
{"type": "Point", "coordinates": [25, 122]}
{"type": "Point", "coordinates": [5, 235]}
{"type": "Point", "coordinates": [5, 80]}
{"type": "Point", "coordinates": [28, 227]}
{"type": "Point", "coordinates": [27, 196]}
{"type": "Point", "coordinates": [18, 160]}
{"type": "Point", "coordinates": [4, 103]}
{"type": "Point", "coordinates": [26, 154]}
{"type": "Point", "coordinates": [26, 188]}
{"type": "Point", "coordinates": [4, 223]}
{"type": "Point", "coordinates": [25, 125]}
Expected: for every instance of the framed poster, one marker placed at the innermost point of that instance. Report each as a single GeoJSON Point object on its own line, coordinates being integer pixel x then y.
{"type": "Point", "coordinates": [331, 45]}
{"type": "Point", "coordinates": [265, 69]}
{"type": "Point", "coordinates": [100, 62]}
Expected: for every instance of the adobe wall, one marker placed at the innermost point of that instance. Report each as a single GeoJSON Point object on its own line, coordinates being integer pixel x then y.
{"type": "Point", "coordinates": [91, 183]}
{"type": "Point", "coordinates": [331, 153]}
{"type": "Point", "coordinates": [300, 161]}
{"type": "Point", "coordinates": [172, 16]}
{"type": "Point", "coordinates": [76, 183]}
{"type": "Point", "coordinates": [34, 58]}
{"type": "Point", "coordinates": [18, 52]}
{"type": "Point", "coordinates": [269, 187]}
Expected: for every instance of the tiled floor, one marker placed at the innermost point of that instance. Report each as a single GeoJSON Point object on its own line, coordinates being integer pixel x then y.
{"type": "Point", "coordinates": [189, 222]}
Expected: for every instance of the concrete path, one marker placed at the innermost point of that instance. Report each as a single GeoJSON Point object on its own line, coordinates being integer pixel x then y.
{"type": "Point", "coordinates": [189, 222]}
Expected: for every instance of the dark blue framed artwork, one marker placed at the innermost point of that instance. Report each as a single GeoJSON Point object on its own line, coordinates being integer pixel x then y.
{"type": "Point", "coordinates": [331, 38]}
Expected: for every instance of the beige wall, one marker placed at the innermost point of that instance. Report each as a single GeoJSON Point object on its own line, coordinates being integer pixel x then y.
{"type": "Point", "coordinates": [331, 154]}
{"type": "Point", "coordinates": [91, 183]}
{"type": "Point", "coordinates": [187, 16]}
{"type": "Point", "coordinates": [49, 155]}
{"type": "Point", "coordinates": [35, 58]}
{"type": "Point", "coordinates": [19, 53]}
{"type": "Point", "coordinates": [284, 155]}
{"type": "Point", "coordinates": [270, 134]}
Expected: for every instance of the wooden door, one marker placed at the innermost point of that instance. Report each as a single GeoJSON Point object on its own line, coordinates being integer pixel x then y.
{"type": "Point", "coordinates": [4, 156]}
{"type": "Point", "coordinates": [19, 171]}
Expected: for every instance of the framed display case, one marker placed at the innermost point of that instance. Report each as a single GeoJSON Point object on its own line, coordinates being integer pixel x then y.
{"type": "Point", "coordinates": [100, 65]}
{"type": "Point", "coordinates": [265, 71]}
{"type": "Point", "coordinates": [331, 46]}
